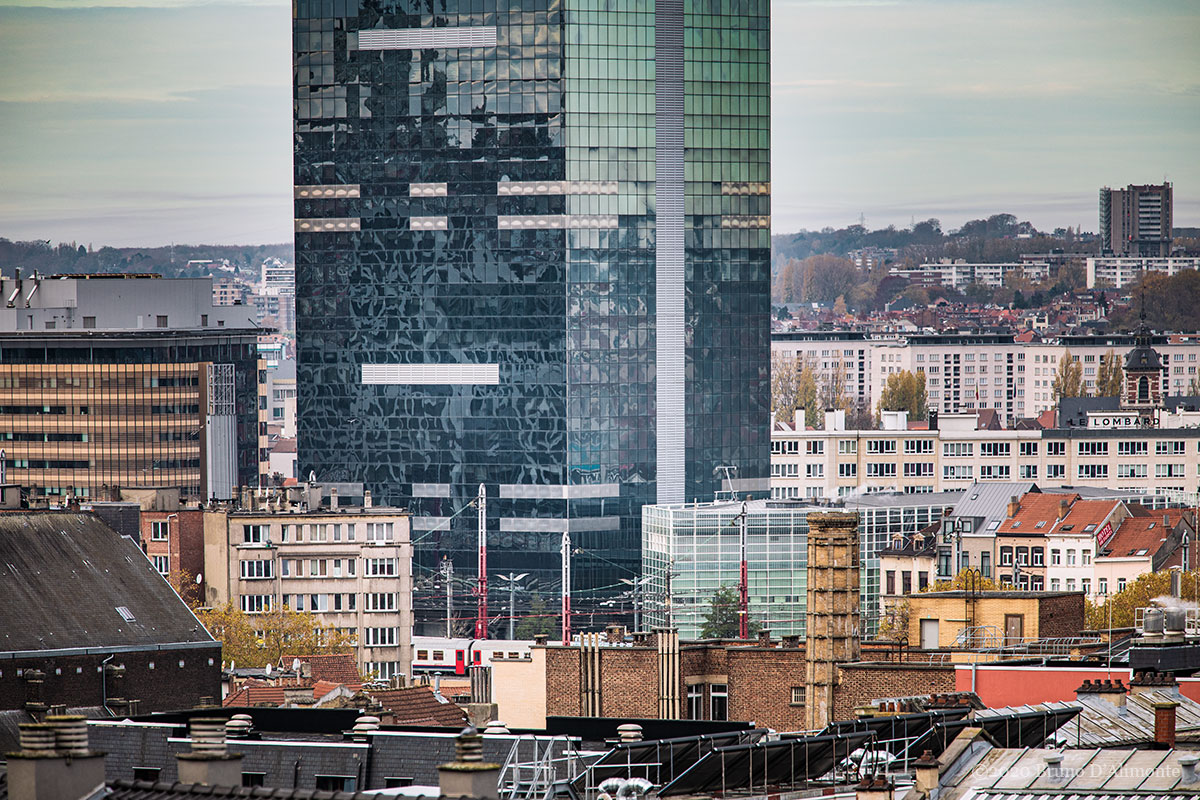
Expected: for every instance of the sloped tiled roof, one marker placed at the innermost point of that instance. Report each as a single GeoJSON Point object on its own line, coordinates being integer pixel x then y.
{"type": "Point", "coordinates": [338, 668]}
{"type": "Point", "coordinates": [255, 696]}
{"type": "Point", "coordinates": [1142, 535]}
{"type": "Point", "coordinates": [1042, 510]}
{"type": "Point", "coordinates": [146, 790]}
{"type": "Point", "coordinates": [69, 580]}
{"type": "Point", "coordinates": [418, 705]}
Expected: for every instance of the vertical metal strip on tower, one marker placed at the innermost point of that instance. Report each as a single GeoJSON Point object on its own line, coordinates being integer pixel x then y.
{"type": "Point", "coordinates": [669, 251]}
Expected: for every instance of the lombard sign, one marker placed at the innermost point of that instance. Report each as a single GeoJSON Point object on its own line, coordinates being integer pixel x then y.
{"type": "Point", "coordinates": [1104, 534]}
{"type": "Point", "coordinates": [1118, 419]}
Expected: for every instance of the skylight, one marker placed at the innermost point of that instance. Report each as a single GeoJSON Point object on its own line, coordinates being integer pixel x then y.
{"type": "Point", "coordinates": [1016, 524]}
{"type": "Point", "coordinates": [1041, 523]}
{"type": "Point", "coordinates": [126, 614]}
{"type": "Point", "coordinates": [1091, 526]}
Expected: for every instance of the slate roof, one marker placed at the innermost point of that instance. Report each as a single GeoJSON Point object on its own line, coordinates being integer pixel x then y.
{"type": "Point", "coordinates": [418, 705]}
{"type": "Point", "coordinates": [990, 501]}
{"type": "Point", "coordinates": [63, 577]}
{"type": "Point", "coordinates": [145, 790]}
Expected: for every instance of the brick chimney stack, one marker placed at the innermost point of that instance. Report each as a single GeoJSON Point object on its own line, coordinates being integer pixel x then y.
{"type": "Point", "coordinates": [1164, 725]}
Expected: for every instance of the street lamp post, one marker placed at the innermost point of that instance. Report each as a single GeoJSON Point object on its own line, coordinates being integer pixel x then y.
{"type": "Point", "coordinates": [635, 587]}
{"type": "Point", "coordinates": [512, 579]}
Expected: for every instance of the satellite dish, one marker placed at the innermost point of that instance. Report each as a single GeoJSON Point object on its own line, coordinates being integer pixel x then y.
{"type": "Point", "coordinates": [312, 476]}
{"type": "Point", "coordinates": [295, 665]}
{"type": "Point", "coordinates": [199, 578]}
{"type": "Point", "coordinates": [268, 670]}
{"type": "Point", "coordinates": [232, 665]}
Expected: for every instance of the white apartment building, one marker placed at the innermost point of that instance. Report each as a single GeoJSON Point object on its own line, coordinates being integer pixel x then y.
{"type": "Point", "coordinates": [351, 567]}
{"type": "Point", "coordinates": [836, 462]}
{"type": "Point", "coordinates": [1117, 272]}
{"type": "Point", "coordinates": [959, 273]}
{"type": "Point", "coordinates": [968, 372]}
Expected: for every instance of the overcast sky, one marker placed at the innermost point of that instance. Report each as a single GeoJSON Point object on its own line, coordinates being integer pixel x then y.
{"type": "Point", "coordinates": [145, 123]}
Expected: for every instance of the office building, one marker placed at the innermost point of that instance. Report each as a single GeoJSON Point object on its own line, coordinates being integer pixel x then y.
{"type": "Point", "coordinates": [309, 549]}
{"type": "Point", "coordinates": [532, 246]}
{"type": "Point", "coordinates": [690, 550]}
{"type": "Point", "coordinates": [959, 274]}
{"type": "Point", "coordinates": [1136, 220]}
{"type": "Point", "coordinates": [121, 381]}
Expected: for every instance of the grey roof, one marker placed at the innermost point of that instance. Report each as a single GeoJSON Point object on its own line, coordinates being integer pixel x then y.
{"type": "Point", "coordinates": [1008, 774]}
{"type": "Point", "coordinates": [147, 790]}
{"type": "Point", "coordinates": [63, 577]}
{"type": "Point", "coordinates": [990, 500]}
{"type": "Point", "coordinates": [885, 499]}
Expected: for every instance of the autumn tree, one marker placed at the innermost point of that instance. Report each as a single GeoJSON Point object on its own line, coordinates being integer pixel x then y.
{"type": "Point", "coordinates": [807, 393]}
{"type": "Point", "coordinates": [1110, 376]}
{"type": "Point", "coordinates": [966, 579]}
{"type": "Point", "coordinates": [905, 391]}
{"type": "Point", "coordinates": [540, 621]}
{"type": "Point", "coordinates": [255, 640]}
{"type": "Point", "coordinates": [827, 277]}
{"type": "Point", "coordinates": [833, 391]}
{"type": "Point", "coordinates": [1139, 594]}
{"type": "Point", "coordinates": [1068, 381]}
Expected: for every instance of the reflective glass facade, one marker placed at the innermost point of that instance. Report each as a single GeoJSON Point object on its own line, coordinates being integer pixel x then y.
{"type": "Point", "coordinates": [532, 252]}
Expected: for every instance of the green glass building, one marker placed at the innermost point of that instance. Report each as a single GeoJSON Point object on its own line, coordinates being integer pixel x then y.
{"type": "Point", "coordinates": [532, 252]}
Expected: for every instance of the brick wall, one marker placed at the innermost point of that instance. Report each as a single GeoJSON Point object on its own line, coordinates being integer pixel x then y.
{"type": "Point", "coordinates": [629, 682]}
{"type": "Point", "coordinates": [76, 680]}
{"type": "Point", "coordinates": [185, 546]}
{"type": "Point", "coordinates": [1060, 616]}
{"type": "Point", "coordinates": [760, 686]}
{"type": "Point", "coordinates": [859, 684]}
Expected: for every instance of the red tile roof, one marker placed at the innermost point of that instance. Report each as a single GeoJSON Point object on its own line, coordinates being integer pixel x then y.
{"type": "Point", "coordinates": [338, 668]}
{"type": "Point", "coordinates": [322, 688]}
{"type": "Point", "coordinates": [1038, 514]}
{"type": "Point", "coordinates": [417, 705]}
{"type": "Point", "coordinates": [255, 696]}
{"type": "Point", "coordinates": [1145, 531]}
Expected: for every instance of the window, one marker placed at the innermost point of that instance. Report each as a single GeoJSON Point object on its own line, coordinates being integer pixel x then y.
{"type": "Point", "coordinates": [1102, 586]}
{"type": "Point", "coordinates": [336, 783]}
{"type": "Point", "coordinates": [1055, 584]}
{"type": "Point", "coordinates": [1023, 556]}
{"type": "Point", "coordinates": [1120, 584]}
{"type": "Point", "coordinates": [1006, 556]}
{"type": "Point", "coordinates": [1132, 448]}
{"type": "Point", "coordinates": [146, 774]}
{"type": "Point", "coordinates": [381, 567]}
{"type": "Point", "coordinates": [257, 569]}
{"type": "Point", "coordinates": [815, 448]}
{"type": "Point", "coordinates": [1029, 448]}
{"type": "Point", "coordinates": [995, 449]}
{"type": "Point", "coordinates": [718, 697]}
{"type": "Point", "coordinates": [1001, 472]}
{"type": "Point", "coordinates": [89, 322]}
{"type": "Point", "coordinates": [1093, 448]}
{"type": "Point", "coordinates": [985, 564]}
{"type": "Point", "coordinates": [956, 472]}
{"type": "Point", "coordinates": [383, 670]}
{"type": "Point", "coordinates": [848, 470]}
{"type": "Point", "coordinates": [695, 701]}
{"type": "Point", "coordinates": [891, 581]}
{"type": "Point", "coordinates": [318, 602]}
{"type": "Point", "coordinates": [847, 447]}
{"type": "Point", "coordinates": [918, 469]}
{"type": "Point", "coordinates": [381, 601]}
{"type": "Point", "coordinates": [256, 603]}
{"type": "Point", "coordinates": [877, 447]}
{"type": "Point", "coordinates": [1056, 448]}
{"type": "Point", "coordinates": [1131, 470]}
{"type": "Point", "coordinates": [1056, 470]}
{"type": "Point", "coordinates": [1168, 448]}
{"type": "Point", "coordinates": [255, 534]}
{"type": "Point", "coordinates": [1028, 472]}
{"type": "Point", "coordinates": [162, 565]}
{"type": "Point", "coordinates": [1085, 585]}
{"type": "Point", "coordinates": [1070, 584]}
{"type": "Point", "coordinates": [958, 449]}
{"type": "Point", "coordinates": [918, 446]}
{"type": "Point", "coordinates": [161, 320]}
{"type": "Point", "coordinates": [1093, 471]}
{"type": "Point", "coordinates": [381, 637]}
{"type": "Point", "coordinates": [1168, 470]}
{"type": "Point", "coordinates": [1070, 557]}
{"type": "Point", "coordinates": [253, 778]}
{"type": "Point", "coordinates": [877, 470]}
{"type": "Point", "coordinates": [379, 531]}
{"type": "Point", "coordinates": [814, 470]}
{"type": "Point", "coordinates": [797, 695]}
{"type": "Point", "coordinates": [1085, 557]}
{"type": "Point", "coordinates": [906, 582]}
{"type": "Point", "coordinates": [159, 531]}
{"type": "Point", "coordinates": [1038, 554]}
{"type": "Point", "coordinates": [320, 533]}
{"type": "Point", "coordinates": [1055, 557]}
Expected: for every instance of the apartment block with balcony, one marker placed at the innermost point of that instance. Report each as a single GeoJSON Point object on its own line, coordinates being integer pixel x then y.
{"type": "Point", "coordinates": [347, 562]}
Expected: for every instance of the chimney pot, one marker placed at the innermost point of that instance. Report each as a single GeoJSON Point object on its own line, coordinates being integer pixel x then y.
{"type": "Point", "coordinates": [1164, 724]}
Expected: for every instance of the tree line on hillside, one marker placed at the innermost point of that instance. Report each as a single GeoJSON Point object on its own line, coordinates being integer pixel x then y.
{"type": "Point", "coordinates": [171, 261]}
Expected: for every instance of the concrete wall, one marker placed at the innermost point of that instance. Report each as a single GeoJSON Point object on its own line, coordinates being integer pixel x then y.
{"type": "Point", "coordinates": [519, 689]}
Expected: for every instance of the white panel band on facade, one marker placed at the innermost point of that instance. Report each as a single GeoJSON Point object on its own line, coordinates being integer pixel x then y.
{"type": "Point", "coordinates": [329, 191]}
{"type": "Point", "coordinates": [745, 187]}
{"type": "Point", "coordinates": [549, 525]}
{"type": "Point", "coordinates": [428, 223]}
{"type": "Point", "coordinates": [556, 221]}
{"type": "Point", "coordinates": [750, 484]}
{"type": "Point", "coordinates": [557, 491]}
{"type": "Point", "coordinates": [427, 38]}
{"type": "Point", "coordinates": [431, 490]}
{"type": "Point", "coordinates": [336, 225]}
{"type": "Point", "coordinates": [555, 187]}
{"type": "Point", "coordinates": [427, 190]}
{"type": "Point", "coordinates": [746, 221]}
{"type": "Point", "coordinates": [431, 374]}
{"type": "Point", "coordinates": [430, 523]}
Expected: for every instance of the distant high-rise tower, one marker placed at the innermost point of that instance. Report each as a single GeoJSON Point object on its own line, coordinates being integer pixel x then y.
{"type": "Point", "coordinates": [532, 251]}
{"type": "Point", "coordinates": [1136, 220]}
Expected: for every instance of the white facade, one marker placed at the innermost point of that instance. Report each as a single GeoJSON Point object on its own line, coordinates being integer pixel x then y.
{"type": "Point", "coordinates": [837, 463]}
{"type": "Point", "coordinates": [1118, 272]}
{"type": "Point", "coordinates": [959, 274]}
{"type": "Point", "coordinates": [968, 372]}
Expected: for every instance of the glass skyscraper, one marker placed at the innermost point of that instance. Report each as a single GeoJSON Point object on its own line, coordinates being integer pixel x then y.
{"type": "Point", "coordinates": [532, 251]}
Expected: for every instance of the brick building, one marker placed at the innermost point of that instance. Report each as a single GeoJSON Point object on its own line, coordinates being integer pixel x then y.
{"type": "Point", "coordinates": [940, 620]}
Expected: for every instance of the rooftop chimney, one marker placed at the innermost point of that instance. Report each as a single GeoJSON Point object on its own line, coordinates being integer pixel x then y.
{"type": "Point", "coordinates": [1164, 725]}
{"type": "Point", "coordinates": [333, 498]}
{"type": "Point", "coordinates": [614, 634]}
{"type": "Point", "coordinates": [1014, 505]}
{"type": "Point", "coordinates": [874, 789]}
{"type": "Point", "coordinates": [764, 637]}
{"type": "Point", "coordinates": [1151, 680]}
{"type": "Point", "coordinates": [209, 763]}
{"type": "Point", "coordinates": [1064, 508]}
{"type": "Point", "coordinates": [927, 770]}
{"type": "Point", "coordinates": [468, 775]}
{"type": "Point", "coordinates": [366, 498]}
{"type": "Point", "coordinates": [54, 761]}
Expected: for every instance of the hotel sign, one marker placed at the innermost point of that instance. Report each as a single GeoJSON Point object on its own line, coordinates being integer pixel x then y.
{"type": "Point", "coordinates": [1119, 419]}
{"type": "Point", "coordinates": [1104, 534]}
